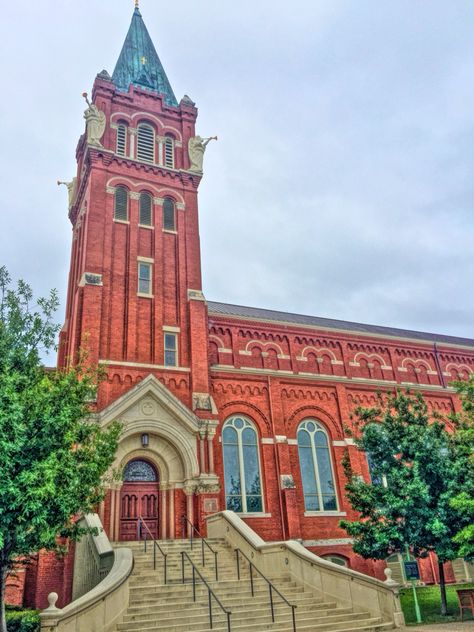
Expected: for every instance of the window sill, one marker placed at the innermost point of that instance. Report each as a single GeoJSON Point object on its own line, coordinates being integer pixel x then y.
{"type": "Point", "coordinates": [323, 514]}
{"type": "Point", "coordinates": [146, 226]}
{"type": "Point", "coordinates": [121, 221]}
{"type": "Point", "coordinates": [145, 295]}
{"type": "Point", "coordinates": [254, 515]}
{"type": "Point", "coordinates": [171, 232]}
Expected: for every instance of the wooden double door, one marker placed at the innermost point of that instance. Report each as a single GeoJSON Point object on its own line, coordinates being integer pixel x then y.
{"type": "Point", "coordinates": [139, 498]}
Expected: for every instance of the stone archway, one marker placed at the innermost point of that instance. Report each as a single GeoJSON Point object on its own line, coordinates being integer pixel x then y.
{"type": "Point", "coordinates": [161, 430]}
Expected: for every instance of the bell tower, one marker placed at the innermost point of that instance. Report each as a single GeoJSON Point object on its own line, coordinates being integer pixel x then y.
{"type": "Point", "coordinates": [135, 299]}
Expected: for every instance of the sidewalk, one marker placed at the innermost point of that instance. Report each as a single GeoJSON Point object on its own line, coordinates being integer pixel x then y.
{"type": "Point", "coordinates": [457, 626]}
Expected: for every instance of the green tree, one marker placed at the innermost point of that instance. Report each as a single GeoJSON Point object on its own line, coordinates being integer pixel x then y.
{"type": "Point", "coordinates": [415, 468]}
{"type": "Point", "coordinates": [463, 502]}
{"type": "Point", "coordinates": [53, 455]}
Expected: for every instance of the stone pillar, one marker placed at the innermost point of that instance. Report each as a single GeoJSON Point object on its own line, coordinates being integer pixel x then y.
{"type": "Point", "coordinates": [112, 516]}
{"type": "Point", "coordinates": [163, 497]}
{"type": "Point", "coordinates": [132, 139]}
{"type": "Point", "coordinates": [189, 491]}
{"type": "Point", "coordinates": [171, 512]}
{"type": "Point", "coordinates": [202, 453]}
{"type": "Point", "coordinates": [117, 514]}
{"type": "Point", "coordinates": [211, 433]}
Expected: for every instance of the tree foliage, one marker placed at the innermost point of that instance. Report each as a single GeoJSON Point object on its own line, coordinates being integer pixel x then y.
{"type": "Point", "coordinates": [463, 502]}
{"type": "Point", "coordinates": [417, 468]}
{"type": "Point", "coordinates": [53, 455]}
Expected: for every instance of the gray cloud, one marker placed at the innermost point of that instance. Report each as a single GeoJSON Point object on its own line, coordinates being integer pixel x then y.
{"type": "Point", "coordinates": [342, 182]}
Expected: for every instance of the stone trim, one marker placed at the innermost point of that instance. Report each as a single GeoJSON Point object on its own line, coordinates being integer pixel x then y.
{"type": "Point", "coordinates": [329, 542]}
{"type": "Point", "coordinates": [224, 368]}
{"type": "Point", "coordinates": [324, 514]}
{"type": "Point", "coordinates": [140, 365]}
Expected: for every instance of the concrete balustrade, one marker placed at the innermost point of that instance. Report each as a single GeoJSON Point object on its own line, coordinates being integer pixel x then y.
{"type": "Point", "coordinates": [332, 582]}
{"type": "Point", "coordinates": [100, 609]}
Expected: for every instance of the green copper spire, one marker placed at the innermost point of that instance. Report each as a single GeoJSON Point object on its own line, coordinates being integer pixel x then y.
{"type": "Point", "coordinates": [139, 63]}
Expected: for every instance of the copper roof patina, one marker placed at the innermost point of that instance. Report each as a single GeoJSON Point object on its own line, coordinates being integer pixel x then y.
{"type": "Point", "coordinates": [139, 64]}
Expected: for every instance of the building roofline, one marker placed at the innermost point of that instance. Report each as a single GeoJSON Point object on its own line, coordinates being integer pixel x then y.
{"type": "Point", "coordinates": [331, 324]}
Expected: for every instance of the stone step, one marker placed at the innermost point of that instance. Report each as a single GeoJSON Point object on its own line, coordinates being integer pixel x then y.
{"type": "Point", "coordinates": [258, 620]}
{"type": "Point", "coordinates": [360, 625]}
{"type": "Point", "coordinates": [235, 602]}
{"type": "Point", "coordinates": [198, 614]}
{"type": "Point", "coordinates": [224, 588]}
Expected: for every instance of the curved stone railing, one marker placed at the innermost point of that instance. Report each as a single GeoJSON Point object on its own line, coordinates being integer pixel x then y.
{"type": "Point", "coordinates": [100, 609]}
{"type": "Point", "coordinates": [348, 588]}
{"type": "Point", "coordinates": [93, 557]}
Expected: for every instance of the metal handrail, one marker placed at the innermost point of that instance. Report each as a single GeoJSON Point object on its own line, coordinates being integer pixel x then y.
{"type": "Point", "coordinates": [271, 587]}
{"type": "Point", "coordinates": [204, 542]}
{"type": "Point", "coordinates": [210, 592]}
{"type": "Point", "coordinates": [141, 522]}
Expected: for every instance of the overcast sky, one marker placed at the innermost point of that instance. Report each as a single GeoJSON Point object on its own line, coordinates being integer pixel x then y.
{"type": "Point", "coordinates": [342, 184]}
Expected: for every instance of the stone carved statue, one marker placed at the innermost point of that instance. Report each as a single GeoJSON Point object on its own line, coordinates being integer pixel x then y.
{"type": "Point", "coordinates": [71, 190]}
{"type": "Point", "coordinates": [95, 122]}
{"type": "Point", "coordinates": [196, 148]}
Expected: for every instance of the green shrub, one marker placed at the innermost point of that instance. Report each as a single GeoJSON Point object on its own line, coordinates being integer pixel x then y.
{"type": "Point", "coordinates": [23, 621]}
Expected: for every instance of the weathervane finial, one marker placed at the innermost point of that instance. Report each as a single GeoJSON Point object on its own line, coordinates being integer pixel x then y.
{"type": "Point", "coordinates": [137, 4]}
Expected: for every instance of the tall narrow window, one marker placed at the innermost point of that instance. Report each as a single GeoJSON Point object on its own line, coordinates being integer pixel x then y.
{"type": "Point", "coordinates": [169, 152]}
{"type": "Point", "coordinates": [121, 204]}
{"type": "Point", "coordinates": [122, 139]}
{"type": "Point", "coordinates": [241, 467]}
{"type": "Point", "coordinates": [146, 143]}
{"type": "Point", "coordinates": [316, 468]}
{"type": "Point", "coordinates": [171, 349]}
{"type": "Point", "coordinates": [144, 278]}
{"type": "Point", "coordinates": [146, 205]}
{"type": "Point", "coordinates": [169, 215]}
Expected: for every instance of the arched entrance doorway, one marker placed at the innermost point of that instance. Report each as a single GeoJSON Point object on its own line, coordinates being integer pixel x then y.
{"type": "Point", "coordinates": [139, 498]}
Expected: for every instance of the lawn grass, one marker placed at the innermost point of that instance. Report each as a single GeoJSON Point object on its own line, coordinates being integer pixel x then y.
{"type": "Point", "coordinates": [430, 604]}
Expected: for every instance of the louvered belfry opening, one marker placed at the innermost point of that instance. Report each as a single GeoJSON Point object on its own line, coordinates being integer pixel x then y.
{"type": "Point", "coordinates": [122, 140]}
{"type": "Point", "coordinates": [121, 204]}
{"type": "Point", "coordinates": [145, 209]}
{"type": "Point", "coordinates": [169, 216]}
{"type": "Point", "coordinates": [169, 152]}
{"type": "Point", "coordinates": [146, 143]}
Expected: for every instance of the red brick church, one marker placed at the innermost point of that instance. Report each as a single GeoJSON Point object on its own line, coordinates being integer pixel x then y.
{"type": "Point", "coordinates": [223, 406]}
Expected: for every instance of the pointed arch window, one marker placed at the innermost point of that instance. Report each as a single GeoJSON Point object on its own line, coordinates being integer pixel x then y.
{"type": "Point", "coordinates": [121, 149]}
{"type": "Point", "coordinates": [316, 467]}
{"type": "Point", "coordinates": [146, 206]}
{"type": "Point", "coordinates": [169, 151]}
{"type": "Point", "coordinates": [242, 476]}
{"type": "Point", "coordinates": [169, 214]}
{"type": "Point", "coordinates": [121, 204]}
{"type": "Point", "coordinates": [146, 143]}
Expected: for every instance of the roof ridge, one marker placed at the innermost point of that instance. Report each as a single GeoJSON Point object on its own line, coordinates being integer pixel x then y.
{"type": "Point", "coordinates": [346, 324]}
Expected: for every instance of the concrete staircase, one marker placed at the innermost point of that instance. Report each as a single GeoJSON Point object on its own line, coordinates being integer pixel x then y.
{"type": "Point", "coordinates": [156, 607]}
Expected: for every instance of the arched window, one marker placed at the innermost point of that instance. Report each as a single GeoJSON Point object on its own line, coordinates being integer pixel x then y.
{"type": "Point", "coordinates": [169, 215]}
{"type": "Point", "coordinates": [243, 487]}
{"type": "Point", "coordinates": [146, 143]}
{"type": "Point", "coordinates": [121, 204]}
{"type": "Point", "coordinates": [121, 139]}
{"type": "Point", "coordinates": [136, 471]}
{"type": "Point", "coordinates": [316, 467]}
{"type": "Point", "coordinates": [146, 205]}
{"type": "Point", "coordinates": [169, 151]}
{"type": "Point", "coordinates": [336, 559]}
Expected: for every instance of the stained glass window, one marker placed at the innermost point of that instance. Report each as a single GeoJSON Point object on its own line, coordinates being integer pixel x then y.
{"type": "Point", "coordinates": [316, 467]}
{"type": "Point", "coordinates": [139, 471]}
{"type": "Point", "coordinates": [241, 466]}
